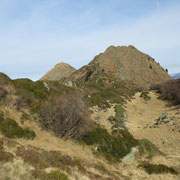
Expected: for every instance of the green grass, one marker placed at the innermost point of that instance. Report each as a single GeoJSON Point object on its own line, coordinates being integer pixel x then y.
{"type": "Point", "coordinates": [158, 169]}
{"type": "Point", "coordinates": [11, 129]}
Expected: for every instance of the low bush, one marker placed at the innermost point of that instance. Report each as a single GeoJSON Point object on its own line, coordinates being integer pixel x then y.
{"type": "Point", "coordinates": [169, 90]}
{"type": "Point", "coordinates": [112, 147]}
{"type": "Point", "coordinates": [26, 86]}
{"type": "Point", "coordinates": [148, 148]}
{"type": "Point", "coordinates": [3, 93]}
{"type": "Point", "coordinates": [5, 156]}
{"type": "Point", "coordinates": [11, 129]}
{"type": "Point", "coordinates": [158, 169]}
{"type": "Point", "coordinates": [145, 95]}
{"type": "Point", "coordinates": [53, 175]}
{"type": "Point", "coordinates": [119, 111]}
{"type": "Point", "coordinates": [66, 116]}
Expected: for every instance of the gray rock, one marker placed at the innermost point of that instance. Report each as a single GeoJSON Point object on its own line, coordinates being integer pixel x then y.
{"type": "Point", "coordinates": [129, 158]}
{"type": "Point", "coordinates": [46, 86]}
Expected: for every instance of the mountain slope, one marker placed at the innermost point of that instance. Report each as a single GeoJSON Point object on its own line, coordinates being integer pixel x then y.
{"type": "Point", "coordinates": [60, 71]}
{"type": "Point", "coordinates": [125, 64]}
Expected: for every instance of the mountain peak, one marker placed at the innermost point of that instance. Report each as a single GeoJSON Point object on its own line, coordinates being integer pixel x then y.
{"type": "Point", "coordinates": [61, 70]}
{"type": "Point", "coordinates": [129, 64]}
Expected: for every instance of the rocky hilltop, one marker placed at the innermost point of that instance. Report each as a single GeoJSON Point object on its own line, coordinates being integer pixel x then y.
{"type": "Point", "coordinates": [60, 71]}
{"type": "Point", "coordinates": [126, 64]}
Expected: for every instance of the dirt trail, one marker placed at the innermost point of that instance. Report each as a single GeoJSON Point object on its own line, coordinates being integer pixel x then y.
{"type": "Point", "coordinates": [142, 115]}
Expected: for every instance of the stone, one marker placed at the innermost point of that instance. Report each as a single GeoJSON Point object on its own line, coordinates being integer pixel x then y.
{"type": "Point", "coordinates": [46, 86]}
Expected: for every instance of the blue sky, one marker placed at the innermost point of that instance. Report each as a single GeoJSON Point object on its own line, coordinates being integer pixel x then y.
{"type": "Point", "coordinates": [37, 34]}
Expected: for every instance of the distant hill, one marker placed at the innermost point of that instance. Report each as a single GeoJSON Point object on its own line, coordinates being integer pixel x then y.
{"type": "Point", "coordinates": [125, 64]}
{"type": "Point", "coordinates": [175, 76]}
{"type": "Point", "coordinates": [60, 71]}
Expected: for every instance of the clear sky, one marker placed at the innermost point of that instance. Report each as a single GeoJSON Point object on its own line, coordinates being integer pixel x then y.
{"type": "Point", "coordinates": [37, 34]}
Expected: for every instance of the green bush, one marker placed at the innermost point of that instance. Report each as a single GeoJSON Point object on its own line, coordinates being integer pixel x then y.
{"type": "Point", "coordinates": [26, 86]}
{"type": "Point", "coordinates": [146, 147]}
{"type": "Point", "coordinates": [53, 175]}
{"type": "Point", "coordinates": [145, 95]}
{"type": "Point", "coordinates": [119, 111]}
{"type": "Point", "coordinates": [158, 169]}
{"type": "Point", "coordinates": [11, 129]}
{"type": "Point", "coordinates": [113, 148]}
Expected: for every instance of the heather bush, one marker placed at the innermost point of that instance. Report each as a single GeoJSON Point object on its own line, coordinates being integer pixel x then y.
{"type": "Point", "coordinates": [169, 90]}
{"type": "Point", "coordinates": [3, 93]}
{"type": "Point", "coordinates": [158, 169]}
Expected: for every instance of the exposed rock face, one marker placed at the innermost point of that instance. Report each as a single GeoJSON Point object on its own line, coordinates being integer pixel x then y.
{"type": "Point", "coordinates": [61, 70]}
{"type": "Point", "coordinates": [126, 64]}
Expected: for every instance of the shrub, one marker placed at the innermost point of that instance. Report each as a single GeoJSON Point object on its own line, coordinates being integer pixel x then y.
{"type": "Point", "coordinates": [5, 156]}
{"type": "Point", "coordinates": [113, 148]}
{"type": "Point", "coordinates": [158, 169]}
{"type": "Point", "coordinates": [145, 95]}
{"type": "Point", "coordinates": [3, 93]}
{"type": "Point", "coordinates": [53, 175]}
{"type": "Point", "coordinates": [26, 86]}
{"type": "Point", "coordinates": [119, 111]}
{"type": "Point", "coordinates": [146, 147]}
{"type": "Point", "coordinates": [11, 129]}
{"type": "Point", "coordinates": [67, 116]}
{"type": "Point", "coordinates": [169, 90]}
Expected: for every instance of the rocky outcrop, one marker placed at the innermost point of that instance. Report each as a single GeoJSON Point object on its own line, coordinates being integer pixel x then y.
{"type": "Point", "coordinates": [126, 64]}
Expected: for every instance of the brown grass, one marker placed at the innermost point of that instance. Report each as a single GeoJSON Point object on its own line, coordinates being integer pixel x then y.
{"type": "Point", "coordinates": [169, 90]}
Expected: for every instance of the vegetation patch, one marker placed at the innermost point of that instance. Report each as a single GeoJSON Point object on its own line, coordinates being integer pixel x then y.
{"type": "Point", "coordinates": [3, 93]}
{"type": "Point", "coordinates": [169, 90]}
{"type": "Point", "coordinates": [37, 89]}
{"type": "Point", "coordinates": [120, 111]}
{"type": "Point", "coordinates": [53, 175]}
{"type": "Point", "coordinates": [158, 169]}
{"type": "Point", "coordinates": [112, 147]}
{"type": "Point", "coordinates": [148, 148]}
{"type": "Point", "coordinates": [66, 116]}
{"type": "Point", "coordinates": [5, 156]}
{"type": "Point", "coordinates": [11, 129]}
{"type": "Point", "coordinates": [145, 95]}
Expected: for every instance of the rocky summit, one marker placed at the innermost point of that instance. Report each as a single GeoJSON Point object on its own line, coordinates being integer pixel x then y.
{"type": "Point", "coordinates": [61, 70]}
{"type": "Point", "coordinates": [124, 63]}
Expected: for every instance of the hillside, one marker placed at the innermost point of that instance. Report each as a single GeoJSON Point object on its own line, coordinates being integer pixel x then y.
{"type": "Point", "coordinates": [60, 71]}
{"type": "Point", "coordinates": [123, 64]}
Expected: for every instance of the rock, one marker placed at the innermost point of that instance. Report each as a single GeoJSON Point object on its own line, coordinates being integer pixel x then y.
{"type": "Point", "coordinates": [97, 117]}
{"type": "Point", "coordinates": [129, 158]}
{"type": "Point", "coordinates": [165, 142]}
{"type": "Point", "coordinates": [163, 116]}
{"type": "Point", "coordinates": [46, 86]}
